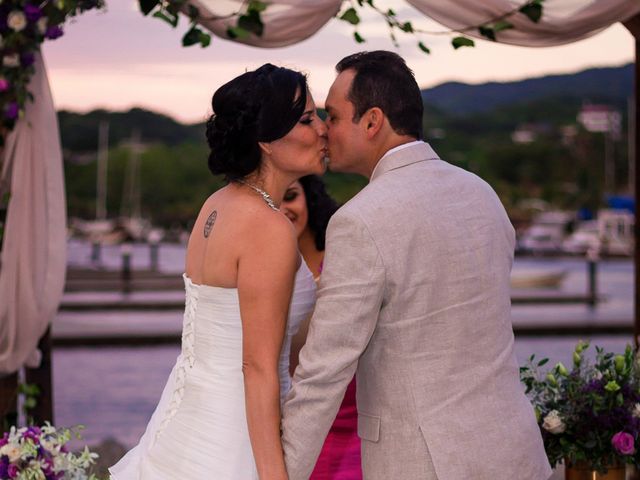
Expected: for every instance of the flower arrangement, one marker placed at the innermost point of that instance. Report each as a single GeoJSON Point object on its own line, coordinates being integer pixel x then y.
{"type": "Point", "coordinates": [40, 453]}
{"type": "Point", "coordinates": [24, 25]}
{"type": "Point", "coordinates": [591, 414]}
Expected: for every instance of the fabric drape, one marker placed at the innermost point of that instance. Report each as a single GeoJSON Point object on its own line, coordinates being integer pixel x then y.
{"type": "Point", "coordinates": [33, 256]}
{"type": "Point", "coordinates": [564, 21]}
{"type": "Point", "coordinates": [286, 21]}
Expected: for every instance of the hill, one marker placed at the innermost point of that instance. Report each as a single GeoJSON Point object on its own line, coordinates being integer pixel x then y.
{"type": "Point", "coordinates": [79, 132]}
{"type": "Point", "coordinates": [609, 85]}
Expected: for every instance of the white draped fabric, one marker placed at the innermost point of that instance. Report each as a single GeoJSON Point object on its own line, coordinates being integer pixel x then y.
{"type": "Point", "coordinates": [286, 21]}
{"type": "Point", "coordinates": [33, 256]}
{"type": "Point", "coordinates": [564, 21]}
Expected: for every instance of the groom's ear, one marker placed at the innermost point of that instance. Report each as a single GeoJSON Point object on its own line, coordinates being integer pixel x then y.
{"type": "Point", "coordinates": [373, 119]}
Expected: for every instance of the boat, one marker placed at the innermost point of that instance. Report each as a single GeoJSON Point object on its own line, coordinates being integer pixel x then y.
{"type": "Point", "coordinates": [537, 278]}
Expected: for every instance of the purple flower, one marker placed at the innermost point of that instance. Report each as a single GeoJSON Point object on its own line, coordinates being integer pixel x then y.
{"type": "Point", "coordinates": [53, 32]}
{"type": "Point", "coordinates": [27, 59]}
{"type": "Point", "coordinates": [4, 466]}
{"type": "Point", "coordinates": [11, 112]}
{"type": "Point", "coordinates": [623, 443]}
{"type": "Point", "coordinates": [32, 12]}
{"type": "Point", "coordinates": [4, 86]}
{"type": "Point", "coordinates": [12, 471]}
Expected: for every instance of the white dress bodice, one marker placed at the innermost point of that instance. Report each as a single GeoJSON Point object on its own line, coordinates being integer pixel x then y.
{"type": "Point", "coordinates": [199, 428]}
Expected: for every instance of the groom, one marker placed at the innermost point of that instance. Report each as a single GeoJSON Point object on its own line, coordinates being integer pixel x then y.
{"type": "Point", "coordinates": [413, 300]}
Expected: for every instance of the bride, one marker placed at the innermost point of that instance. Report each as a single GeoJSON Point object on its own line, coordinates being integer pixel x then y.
{"type": "Point", "coordinates": [247, 290]}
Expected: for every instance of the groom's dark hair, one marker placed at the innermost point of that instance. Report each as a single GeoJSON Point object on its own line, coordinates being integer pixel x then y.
{"type": "Point", "coordinates": [383, 80]}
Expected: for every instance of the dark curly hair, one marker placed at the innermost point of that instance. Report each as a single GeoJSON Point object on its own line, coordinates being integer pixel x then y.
{"type": "Point", "coordinates": [320, 207]}
{"type": "Point", "coordinates": [257, 106]}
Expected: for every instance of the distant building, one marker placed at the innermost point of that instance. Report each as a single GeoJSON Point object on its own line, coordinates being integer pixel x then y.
{"type": "Point", "coordinates": [529, 132]}
{"type": "Point", "coordinates": [601, 118]}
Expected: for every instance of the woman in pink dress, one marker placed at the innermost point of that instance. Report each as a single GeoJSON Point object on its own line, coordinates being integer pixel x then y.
{"type": "Point", "coordinates": [309, 207]}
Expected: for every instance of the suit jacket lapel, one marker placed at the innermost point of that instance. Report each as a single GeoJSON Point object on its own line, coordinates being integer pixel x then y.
{"type": "Point", "coordinates": [415, 153]}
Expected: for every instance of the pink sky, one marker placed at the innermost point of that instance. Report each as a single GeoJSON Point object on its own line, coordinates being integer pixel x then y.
{"type": "Point", "coordinates": [118, 59]}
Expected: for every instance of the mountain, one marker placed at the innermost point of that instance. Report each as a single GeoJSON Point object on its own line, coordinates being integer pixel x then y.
{"type": "Point", "coordinates": [79, 132]}
{"type": "Point", "coordinates": [609, 85]}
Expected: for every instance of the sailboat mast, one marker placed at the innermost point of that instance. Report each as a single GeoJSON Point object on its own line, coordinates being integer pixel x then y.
{"type": "Point", "coordinates": [101, 177]}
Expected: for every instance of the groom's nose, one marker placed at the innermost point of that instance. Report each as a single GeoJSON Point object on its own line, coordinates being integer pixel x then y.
{"type": "Point", "coordinates": [322, 129]}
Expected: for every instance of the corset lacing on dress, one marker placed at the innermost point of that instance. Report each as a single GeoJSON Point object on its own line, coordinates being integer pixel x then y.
{"type": "Point", "coordinates": [187, 357]}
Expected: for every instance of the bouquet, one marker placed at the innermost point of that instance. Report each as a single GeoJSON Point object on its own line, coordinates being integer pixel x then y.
{"type": "Point", "coordinates": [40, 453]}
{"type": "Point", "coordinates": [591, 414]}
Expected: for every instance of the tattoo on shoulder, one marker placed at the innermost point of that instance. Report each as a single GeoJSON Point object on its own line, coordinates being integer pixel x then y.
{"type": "Point", "coordinates": [208, 226]}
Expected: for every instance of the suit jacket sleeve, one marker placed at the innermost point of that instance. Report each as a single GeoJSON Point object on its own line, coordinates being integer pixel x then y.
{"type": "Point", "coordinates": [345, 317]}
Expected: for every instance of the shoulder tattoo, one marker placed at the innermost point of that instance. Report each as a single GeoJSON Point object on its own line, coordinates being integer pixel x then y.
{"type": "Point", "coordinates": [208, 226]}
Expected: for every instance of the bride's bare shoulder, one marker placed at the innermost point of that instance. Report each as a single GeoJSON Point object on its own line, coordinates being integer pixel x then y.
{"type": "Point", "coordinates": [245, 216]}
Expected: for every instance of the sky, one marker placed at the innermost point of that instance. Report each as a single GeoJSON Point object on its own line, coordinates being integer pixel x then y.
{"type": "Point", "coordinates": [117, 59]}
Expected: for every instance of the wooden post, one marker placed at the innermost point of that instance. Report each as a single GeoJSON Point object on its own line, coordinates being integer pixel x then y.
{"type": "Point", "coordinates": [41, 376]}
{"type": "Point", "coordinates": [8, 401]}
{"type": "Point", "coordinates": [633, 25]}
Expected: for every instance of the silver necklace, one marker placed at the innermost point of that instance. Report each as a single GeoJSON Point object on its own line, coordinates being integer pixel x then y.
{"type": "Point", "coordinates": [265, 196]}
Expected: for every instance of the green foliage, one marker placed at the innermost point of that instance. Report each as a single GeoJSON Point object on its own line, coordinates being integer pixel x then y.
{"type": "Point", "coordinates": [532, 8]}
{"type": "Point", "coordinates": [458, 42]}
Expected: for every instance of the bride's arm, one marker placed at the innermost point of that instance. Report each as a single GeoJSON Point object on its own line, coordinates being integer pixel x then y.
{"type": "Point", "coordinates": [266, 274]}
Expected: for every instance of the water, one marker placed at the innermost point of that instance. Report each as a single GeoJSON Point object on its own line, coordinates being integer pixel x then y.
{"type": "Point", "coordinates": [113, 391]}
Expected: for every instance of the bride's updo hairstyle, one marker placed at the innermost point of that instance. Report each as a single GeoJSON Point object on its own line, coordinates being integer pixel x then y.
{"type": "Point", "coordinates": [258, 106]}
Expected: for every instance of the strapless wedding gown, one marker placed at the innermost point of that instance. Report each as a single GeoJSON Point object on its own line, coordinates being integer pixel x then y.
{"type": "Point", "coordinates": [199, 428]}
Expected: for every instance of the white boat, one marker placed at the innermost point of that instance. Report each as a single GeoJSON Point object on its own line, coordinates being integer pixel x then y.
{"type": "Point", "coordinates": [611, 234]}
{"type": "Point", "coordinates": [537, 278]}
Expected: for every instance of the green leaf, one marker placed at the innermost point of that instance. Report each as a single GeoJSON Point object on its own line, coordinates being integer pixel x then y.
{"type": "Point", "coordinates": [147, 5]}
{"type": "Point", "coordinates": [351, 16]}
{"type": "Point", "coordinates": [358, 38]}
{"type": "Point", "coordinates": [191, 37]}
{"type": "Point", "coordinates": [487, 32]}
{"type": "Point", "coordinates": [252, 22]}
{"type": "Point", "coordinates": [257, 6]}
{"type": "Point", "coordinates": [543, 362]}
{"type": "Point", "coordinates": [30, 403]}
{"type": "Point", "coordinates": [173, 21]}
{"type": "Point", "coordinates": [391, 13]}
{"type": "Point", "coordinates": [462, 42]}
{"type": "Point", "coordinates": [237, 33]}
{"type": "Point", "coordinates": [406, 27]}
{"type": "Point", "coordinates": [502, 25]}
{"type": "Point", "coordinates": [193, 12]}
{"type": "Point", "coordinates": [423, 47]}
{"type": "Point", "coordinates": [532, 10]}
{"type": "Point", "coordinates": [205, 39]}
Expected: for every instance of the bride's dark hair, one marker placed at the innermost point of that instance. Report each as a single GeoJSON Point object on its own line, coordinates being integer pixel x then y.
{"type": "Point", "coordinates": [258, 106]}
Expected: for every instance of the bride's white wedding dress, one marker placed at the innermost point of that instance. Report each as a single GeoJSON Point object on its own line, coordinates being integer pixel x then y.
{"type": "Point", "coordinates": [199, 428]}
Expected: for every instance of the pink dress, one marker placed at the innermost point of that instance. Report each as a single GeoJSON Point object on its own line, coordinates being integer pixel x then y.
{"type": "Point", "coordinates": [340, 456]}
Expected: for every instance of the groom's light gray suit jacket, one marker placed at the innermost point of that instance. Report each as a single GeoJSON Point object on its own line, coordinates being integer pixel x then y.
{"type": "Point", "coordinates": [414, 299]}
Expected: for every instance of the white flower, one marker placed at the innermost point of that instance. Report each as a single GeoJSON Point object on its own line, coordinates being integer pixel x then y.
{"type": "Point", "coordinates": [42, 25]}
{"type": "Point", "coordinates": [636, 410]}
{"type": "Point", "coordinates": [10, 451]}
{"type": "Point", "coordinates": [12, 60]}
{"type": "Point", "coordinates": [598, 375]}
{"type": "Point", "coordinates": [553, 423]}
{"type": "Point", "coordinates": [16, 20]}
{"type": "Point", "coordinates": [50, 446]}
